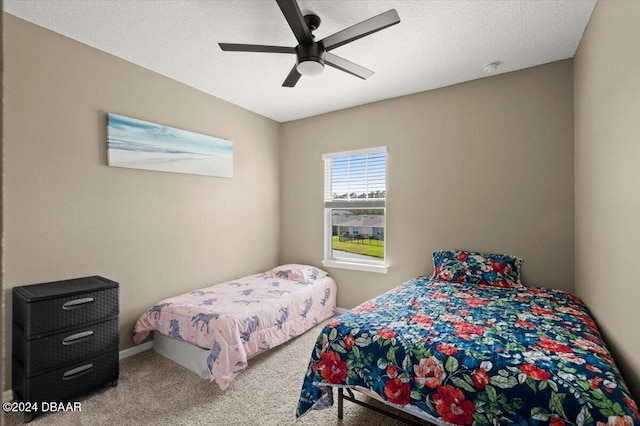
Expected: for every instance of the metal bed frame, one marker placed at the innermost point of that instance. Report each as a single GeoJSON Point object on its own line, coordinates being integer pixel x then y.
{"type": "Point", "coordinates": [351, 397]}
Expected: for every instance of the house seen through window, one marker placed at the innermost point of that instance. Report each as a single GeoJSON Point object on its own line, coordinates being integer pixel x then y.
{"type": "Point", "coordinates": [355, 203]}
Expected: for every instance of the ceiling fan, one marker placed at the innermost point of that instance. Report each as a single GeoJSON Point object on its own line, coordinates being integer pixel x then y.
{"type": "Point", "coordinates": [313, 55]}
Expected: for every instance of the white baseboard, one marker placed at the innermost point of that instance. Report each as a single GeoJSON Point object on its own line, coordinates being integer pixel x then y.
{"type": "Point", "coordinates": [8, 394]}
{"type": "Point", "coordinates": [136, 349]}
{"type": "Point", "coordinates": [341, 311]}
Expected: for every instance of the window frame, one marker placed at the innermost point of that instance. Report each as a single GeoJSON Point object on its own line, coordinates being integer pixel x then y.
{"type": "Point", "coordinates": [381, 266]}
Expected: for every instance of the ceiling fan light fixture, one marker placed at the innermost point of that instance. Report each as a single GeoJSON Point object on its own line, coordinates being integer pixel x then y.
{"type": "Point", "coordinates": [310, 59]}
{"type": "Point", "coordinates": [310, 67]}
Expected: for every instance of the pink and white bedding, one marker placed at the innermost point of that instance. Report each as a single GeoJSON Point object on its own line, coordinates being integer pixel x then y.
{"type": "Point", "coordinates": [241, 318]}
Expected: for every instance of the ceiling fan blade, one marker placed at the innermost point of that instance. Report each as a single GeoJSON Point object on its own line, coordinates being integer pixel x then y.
{"type": "Point", "coordinates": [364, 28]}
{"type": "Point", "coordinates": [347, 66]}
{"type": "Point", "coordinates": [292, 78]}
{"type": "Point", "coordinates": [296, 21]}
{"type": "Point", "coordinates": [233, 47]}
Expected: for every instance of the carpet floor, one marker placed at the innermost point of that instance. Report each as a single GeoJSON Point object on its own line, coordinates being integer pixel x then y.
{"type": "Point", "coordinates": [153, 390]}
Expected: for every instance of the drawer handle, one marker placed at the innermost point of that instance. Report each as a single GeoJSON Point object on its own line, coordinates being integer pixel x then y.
{"type": "Point", "coordinates": [78, 303]}
{"type": "Point", "coordinates": [77, 338]}
{"type": "Point", "coordinates": [77, 372]}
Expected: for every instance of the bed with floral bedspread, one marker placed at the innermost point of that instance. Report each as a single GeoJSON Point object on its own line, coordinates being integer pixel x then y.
{"type": "Point", "coordinates": [238, 319]}
{"type": "Point", "coordinates": [468, 353]}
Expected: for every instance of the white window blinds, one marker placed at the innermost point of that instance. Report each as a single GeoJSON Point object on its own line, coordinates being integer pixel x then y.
{"type": "Point", "coordinates": [355, 178]}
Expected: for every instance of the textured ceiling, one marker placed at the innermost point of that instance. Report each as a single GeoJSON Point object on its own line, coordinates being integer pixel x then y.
{"type": "Point", "coordinates": [436, 44]}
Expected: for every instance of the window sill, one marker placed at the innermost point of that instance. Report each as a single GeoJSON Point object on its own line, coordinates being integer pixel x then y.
{"type": "Point", "coordinates": [381, 269]}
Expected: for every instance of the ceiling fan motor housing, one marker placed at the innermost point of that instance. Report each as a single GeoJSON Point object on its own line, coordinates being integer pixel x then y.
{"type": "Point", "coordinates": [310, 52]}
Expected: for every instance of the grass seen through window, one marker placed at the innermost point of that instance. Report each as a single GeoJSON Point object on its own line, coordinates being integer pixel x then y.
{"type": "Point", "coordinates": [363, 246]}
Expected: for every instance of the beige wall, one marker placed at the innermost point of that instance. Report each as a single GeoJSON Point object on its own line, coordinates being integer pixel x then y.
{"type": "Point", "coordinates": [485, 165]}
{"type": "Point", "coordinates": [2, 295]}
{"type": "Point", "coordinates": [67, 214]}
{"type": "Point", "coordinates": [607, 178]}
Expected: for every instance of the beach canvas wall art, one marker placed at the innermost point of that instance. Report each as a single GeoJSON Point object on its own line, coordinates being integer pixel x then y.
{"type": "Point", "coordinates": [143, 145]}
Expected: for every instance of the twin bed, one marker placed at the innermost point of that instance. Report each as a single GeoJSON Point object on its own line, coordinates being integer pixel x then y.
{"type": "Point", "coordinates": [468, 345]}
{"type": "Point", "coordinates": [215, 330]}
{"type": "Point", "coordinates": [471, 345]}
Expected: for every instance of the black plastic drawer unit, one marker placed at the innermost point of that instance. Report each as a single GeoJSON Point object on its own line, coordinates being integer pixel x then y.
{"type": "Point", "coordinates": [65, 339]}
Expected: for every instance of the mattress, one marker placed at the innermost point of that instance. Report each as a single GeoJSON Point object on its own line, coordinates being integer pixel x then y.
{"type": "Point", "coordinates": [190, 356]}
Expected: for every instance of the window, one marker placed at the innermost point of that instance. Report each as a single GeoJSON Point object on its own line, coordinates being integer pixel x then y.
{"type": "Point", "coordinates": [355, 190]}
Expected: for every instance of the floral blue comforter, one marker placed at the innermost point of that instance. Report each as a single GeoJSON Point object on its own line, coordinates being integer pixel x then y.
{"type": "Point", "coordinates": [473, 354]}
